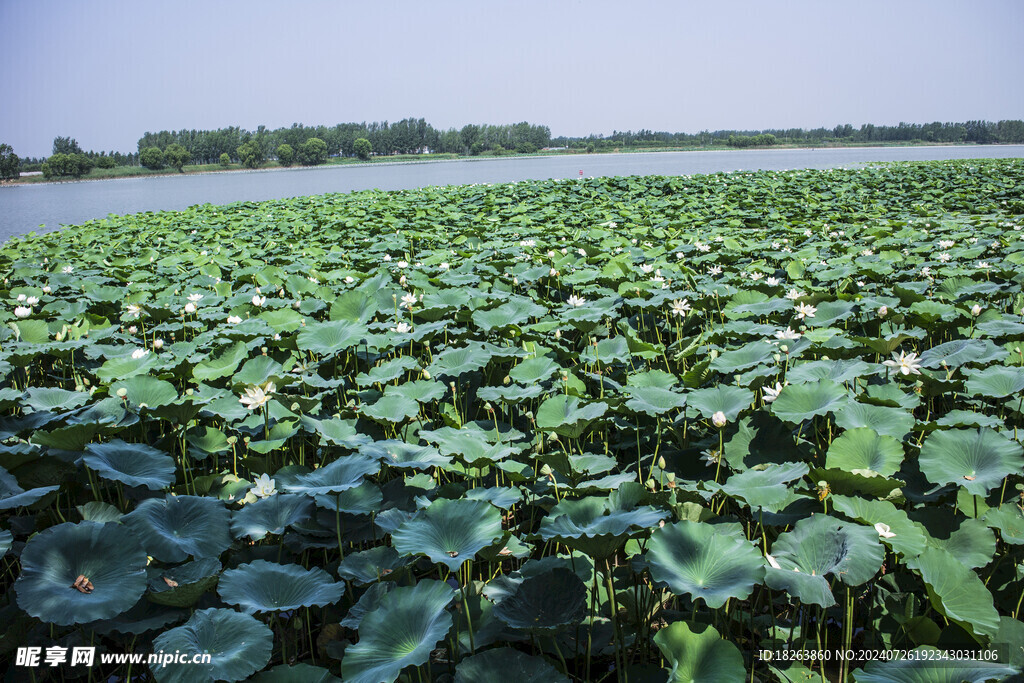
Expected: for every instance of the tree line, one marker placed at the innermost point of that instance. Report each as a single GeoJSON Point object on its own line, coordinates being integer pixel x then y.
{"type": "Point", "coordinates": [312, 145]}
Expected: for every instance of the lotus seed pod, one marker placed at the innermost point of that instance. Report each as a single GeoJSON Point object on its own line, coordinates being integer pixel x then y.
{"type": "Point", "coordinates": [122, 392]}
{"type": "Point", "coordinates": [232, 440]}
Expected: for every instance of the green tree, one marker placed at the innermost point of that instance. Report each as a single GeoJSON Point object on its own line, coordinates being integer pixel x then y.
{"type": "Point", "coordinates": [176, 156]}
{"type": "Point", "coordinates": [105, 162]}
{"type": "Point", "coordinates": [152, 158]}
{"type": "Point", "coordinates": [66, 166]}
{"type": "Point", "coordinates": [66, 146]}
{"type": "Point", "coordinates": [362, 148]}
{"type": "Point", "coordinates": [312, 152]}
{"type": "Point", "coordinates": [9, 162]}
{"type": "Point", "coordinates": [285, 154]}
{"type": "Point", "coordinates": [225, 160]}
{"type": "Point", "coordinates": [251, 154]}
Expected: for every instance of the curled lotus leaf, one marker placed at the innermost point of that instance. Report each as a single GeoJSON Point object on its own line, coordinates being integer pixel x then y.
{"type": "Point", "coordinates": [552, 600]}
{"type": "Point", "coordinates": [341, 475]}
{"type": "Point", "coordinates": [262, 586]}
{"type": "Point", "coordinates": [976, 459]}
{"type": "Point", "coordinates": [400, 632]}
{"type": "Point", "coordinates": [449, 532]}
{"type": "Point", "coordinates": [134, 464]}
{"type": "Point", "coordinates": [13, 496]}
{"type": "Point", "coordinates": [238, 644]}
{"type": "Point", "coordinates": [270, 515]}
{"type": "Point", "coordinates": [502, 664]}
{"type": "Point", "coordinates": [696, 653]}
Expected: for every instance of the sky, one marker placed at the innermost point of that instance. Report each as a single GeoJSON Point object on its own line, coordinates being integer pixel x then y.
{"type": "Point", "coordinates": [106, 71]}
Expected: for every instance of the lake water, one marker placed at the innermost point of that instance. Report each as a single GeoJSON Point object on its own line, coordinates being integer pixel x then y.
{"type": "Point", "coordinates": [45, 207]}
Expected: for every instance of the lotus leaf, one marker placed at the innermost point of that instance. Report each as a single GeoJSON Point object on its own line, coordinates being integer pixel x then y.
{"type": "Point", "coordinates": [238, 645]}
{"type": "Point", "coordinates": [449, 532]}
{"type": "Point", "coordinates": [976, 459]}
{"type": "Point", "coordinates": [699, 654]}
{"type": "Point", "coordinates": [134, 464]}
{"type": "Point", "coordinates": [178, 526]}
{"type": "Point", "coordinates": [262, 586]}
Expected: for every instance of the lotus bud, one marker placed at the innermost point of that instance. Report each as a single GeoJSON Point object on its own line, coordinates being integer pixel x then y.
{"type": "Point", "coordinates": [294, 407]}
{"type": "Point", "coordinates": [425, 373]}
{"type": "Point", "coordinates": [452, 385]}
{"type": "Point", "coordinates": [79, 387]}
{"type": "Point", "coordinates": [975, 310]}
{"type": "Point", "coordinates": [719, 419]}
{"type": "Point", "coordinates": [784, 348]}
{"type": "Point", "coordinates": [661, 462]}
{"type": "Point", "coordinates": [85, 381]}
{"type": "Point", "coordinates": [245, 440]}
{"type": "Point", "coordinates": [558, 334]}
{"type": "Point", "coordinates": [190, 391]}
{"type": "Point", "coordinates": [158, 343]}
{"type": "Point", "coordinates": [507, 380]}
{"type": "Point", "coordinates": [777, 357]}
{"type": "Point", "coordinates": [651, 484]}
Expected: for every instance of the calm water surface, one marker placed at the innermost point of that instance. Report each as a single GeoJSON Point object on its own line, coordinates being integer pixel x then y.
{"type": "Point", "coordinates": [45, 207]}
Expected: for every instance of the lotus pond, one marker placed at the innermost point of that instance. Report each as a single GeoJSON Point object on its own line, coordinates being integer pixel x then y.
{"type": "Point", "coordinates": [640, 429]}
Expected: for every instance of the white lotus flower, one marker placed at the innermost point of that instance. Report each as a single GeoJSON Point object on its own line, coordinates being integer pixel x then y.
{"type": "Point", "coordinates": [883, 311]}
{"type": "Point", "coordinates": [983, 265]}
{"type": "Point", "coordinates": [770, 394]}
{"type": "Point", "coordinates": [158, 344]}
{"type": "Point", "coordinates": [884, 530]}
{"type": "Point", "coordinates": [867, 252]}
{"type": "Point", "coordinates": [646, 267]}
{"type": "Point", "coordinates": [140, 353]}
{"type": "Point", "coordinates": [553, 273]}
{"type": "Point", "coordinates": [794, 294]}
{"type": "Point", "coordinates": [195, 298]}
{"type": "Point", "coordinates": [944, 257]}
{"type": "Point", "coordinates": [256, 396]}
{"type": "Point", "coordinates": [387, 257]}
{"type": "Point", "coordinates": [349, 279]}
{"type": "Point", "coordinates": [190, 308]}
{"type": "Point", "coordinates": [264, 486]}
{"type": "Point", "coordinates": [67, 269]}
{"type": "Point", "coordinates": [976, 310]}
{"type": "Point", "coordinates": [21, 298]}
{"type": "Point", "coordinates": [715, 270]}
{"type": "Point", "coordinates": [408, 300]}
{"type": "Point", "coordinates": [946, 244]}
{"type": "Point", "coordinates": [905, 363]}
{"type": "Point", "coordinates": [444, 266]}
{"type": "Point", "coordinates": [756, 276]}
{"type": "Point", "coordinates": [401, 327]}
{"type": "Point", "coordinates": [711, 456]}
{"type": "Point", "coordinates": [719, 419]}
{"type": "Point", "coordinates": [772, 281]}
{"type": "Point", "coordinates": [258, 300]}
{"type": "Point", "coordinates": [133, 311]}
{"type": "Point", "coordinates": [680, 307]}
{"type": "Point", "coordinates": [47, 289]}
{"type": "Point", "coordinates": [132, 329]}
{"type": "Point", "coordinates": [805, 311]}
{"type": "Point", "coordinates": [22, 311]}
{"type": "Point", "coordinates": [234, 320]}
{"type": "Point", "coordinates": [576, 301]}
{"type": "Point", "coordinates": [787, 333]}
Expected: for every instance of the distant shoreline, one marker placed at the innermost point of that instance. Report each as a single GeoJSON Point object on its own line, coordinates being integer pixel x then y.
{"type": "Point", "coordinates": [407, 161]}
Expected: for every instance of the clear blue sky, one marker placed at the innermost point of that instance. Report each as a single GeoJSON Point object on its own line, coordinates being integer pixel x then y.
{"type": "Point", "coordinates": [106, 71]}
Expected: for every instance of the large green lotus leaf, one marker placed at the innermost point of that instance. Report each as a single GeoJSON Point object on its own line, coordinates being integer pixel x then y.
{"type": "Point", "coordinates": [818, 546]}
{"type": "Point", "coordinates": [799, 402]}
{"type": "Point", "coordinates": [344, 473]}
{"type": "Point", "coordinates": [175, 527]}
{"type": "Point", "coordinates": [329, 338]}
{"type": "Point", "coordinates": [270, 515]}
{"type": "Point", "coordinates": [533, 370]}
{"type": "Point", "coordinates": [221, 365]}
{"type": "Point", "coordinates": [238, 645]}
{"type": "Point", "coordinates": [335, 431]}
{"type": "Point", "coordinates": [973, 543]}
{"type": "Point", "coordinates": [125, 366]}
{"type": "Point", "coordinates": [455, 362]}
{"type": "Point", "coordinates": [596, 526]}
{"type": "Point", "coordinates": [106, 554]}
{"type": "Point", "coordinates": [713, 562]}
{"type": "Point", "coordinates": [698, 654]}
{"type": "Point", "coordinates": [548, 601]}
{"type": "Point", "coordinates": [146, 391]}
{"type": "Point", "coordinates": [567, 415]}
{"type": "Point", "coordinates": [368, 602]}
{"type": "Point", "coordinates": [886, 420]}
{"type": "Point", "coordinates": [449, 532]}
{"type": "Point", "coordinates": [388, 371]}
{"type": "Point", "coordinates": [404, 455]}
{"type": "Point", "coordinates": [262, 586]}
{"type": "Point", "coordinates": [765, 488]}
{"type": "Point", "coordinates": [401, 632]}
{"type": "Point", "coordinates": [95, 511]}
{"type": "Point", "coordinates": [13, 496]}
{"type": "Point", "coordinates": [517, 311]}
{"type": "Point", "coordinates": [53, 399]}
{"type": "Point", "coordinates": [961, 351]}
{"type": "Point", "coordinates": [835, 370]}
{"type": "Point", "coordinates": [258, 371]}
{"type": "Point", "coordinates": [995, 381]}
{"type": "Point", "coordinates": [364, 499]}
{"type": "Point", "coordinates": [909, 539]}
{"type": "Point", "coordinates": [1008, 518]}
{"type": "Point", "coordinates": [864, 450]}
{"type": "Point", "coordinates": [6, 540]}
{"type": "Point", "coordinates": [761, 439]}
{"type": "Point", "coordinates": [143, 617]}
{"type": "Point", "coordinates": [746, 356]}
{"type": "Point", "coordinates": [183, 585]}
{"type": "Point", "coordinates": [297, 673]}
{"type": "Point", "coordinates": [370, 566]}
{"type": "Point", "coordinates": [928, 666]}
{"type": "Point", "coordinates": [723, 398]}
{"type": "Point", "coordinates": [1011, 636]}
{"type": "Point", "coordinates": [503, 664]}
{"type": "Point", "coordinates": [391, 409]}
{"type": "Point", "coordinates": [420, 390]}
{"type": "Point", "coordinates": [956, 591]}
{"type": "Point", "coordinates": [653, 400]}
{"type": "Point", "coordinates": [134, 464]}
{"type": "Point", "coordinates": [976, 459]}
